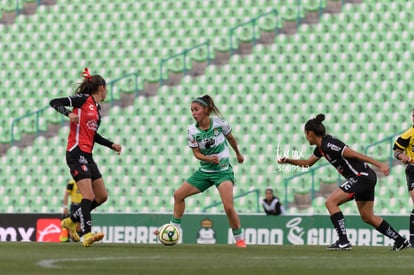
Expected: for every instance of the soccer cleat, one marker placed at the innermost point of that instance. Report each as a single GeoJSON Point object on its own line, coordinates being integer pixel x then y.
{"type": "Point", "coordinates": [241, 244]}
{"type": "Point", "coordinates": [90, 238]}
{"type": "Point", "coordinates": [401, 245]}
{"type": "Point", "coordinates": [71, 227]}
{"type": "Point", "coordinates": [338, 245]}
{"type": "Point", "coordinates": [64, 235]}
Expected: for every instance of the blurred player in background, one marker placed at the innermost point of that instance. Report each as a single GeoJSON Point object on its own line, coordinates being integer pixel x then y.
{"type": "Point", "coordinates": [404, 151]}
{"type": "Point", "coordinates": [85, 118]}
{"type": "Point", "coordinates": [73, 192]}
{"type": "Point", "coordinates": [271, 204]}
{"type": "Point", "coordinates": [359, 185]}
{"type": "Point", "coordinates": [208, 139]}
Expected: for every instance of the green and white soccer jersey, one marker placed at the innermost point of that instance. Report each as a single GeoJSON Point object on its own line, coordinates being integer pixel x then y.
{"type": "Point", "coordinates": [211, 142]}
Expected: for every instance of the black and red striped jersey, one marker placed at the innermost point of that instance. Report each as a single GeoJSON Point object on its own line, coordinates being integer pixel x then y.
{"type": "Point", "coordinates": [332, 149]}
{"type": "Point", "coordinates": [84, 133]}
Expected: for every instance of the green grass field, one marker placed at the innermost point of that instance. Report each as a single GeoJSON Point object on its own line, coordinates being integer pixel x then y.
{"type": "Point", "coordinates": [72, 258]}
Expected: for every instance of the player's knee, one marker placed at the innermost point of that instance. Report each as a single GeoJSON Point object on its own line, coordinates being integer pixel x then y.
{"type": "Point", "coordinates": [329, 204]}
{"type": "Point", "coordinates": [103, 199]}
{"type": "Point", "coordinates": [178, 196]}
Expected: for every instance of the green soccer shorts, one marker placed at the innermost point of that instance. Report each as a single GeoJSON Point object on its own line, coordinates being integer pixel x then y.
{"type": "Point", "coordinates": [203, 180]}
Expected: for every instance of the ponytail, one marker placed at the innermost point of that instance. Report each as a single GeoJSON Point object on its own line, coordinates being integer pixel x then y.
{"type": "Point", "coordinates": [315, 125]}
{"type": "Point", "coordinates": [90, 83]}
{"type": "Point", "coordinates": [207, 101]}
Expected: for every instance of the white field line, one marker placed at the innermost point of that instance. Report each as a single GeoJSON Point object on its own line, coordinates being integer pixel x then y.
{"type": "Point", "coordinates": [53, 263]}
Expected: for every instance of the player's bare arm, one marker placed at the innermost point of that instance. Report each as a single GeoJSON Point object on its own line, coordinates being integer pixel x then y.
{"type": "Point", "coordinates": [349, 153]}
{"type": "Point", "coordinates": [400, 155]}
{"type": "Point", "coordinates": [233, 143]}
{"type": "Point", "coordinates": [200, 156]}
{"type": "Point", "coordinates": [299, 162]}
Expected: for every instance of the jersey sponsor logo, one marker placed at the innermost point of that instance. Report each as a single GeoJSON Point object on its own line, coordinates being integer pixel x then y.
{"type": "Point", "coordinates": [92, 125]}
{"type": "Point", "coordinates": [48, 230]}
{"type": "Point", "coordinates": [333, 147]}
{"type": "Point", "coordinates": [91, 107]}
{"type": "Point", "coordinates": [206, 142]}
{"type": "Point", "coordinates": [209, 142]}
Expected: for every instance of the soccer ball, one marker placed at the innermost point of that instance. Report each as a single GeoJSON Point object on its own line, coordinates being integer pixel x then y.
{"type": "Point", "coordinates": [168, 234]}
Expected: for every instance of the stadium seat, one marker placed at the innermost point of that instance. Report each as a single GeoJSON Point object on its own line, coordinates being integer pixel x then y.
{"type": "Point", "coordinates": [267, 96]}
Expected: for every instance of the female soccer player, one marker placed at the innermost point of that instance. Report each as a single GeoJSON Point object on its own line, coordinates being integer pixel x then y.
{"type": "Point", "coordinates": [73, 192]}
{"type": "Point", "coordinates": [207, 138]}
{"type": "Point", "coordinates": [85, 119]}
{"type": "Point", "coordinates": [359, 185]}
{"type": "Point", "coordinates": [404, 151]}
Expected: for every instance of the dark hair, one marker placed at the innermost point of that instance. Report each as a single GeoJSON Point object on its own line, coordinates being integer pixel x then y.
{"type": "Point", "coordinates": [90, 83]}
{"type": "Point", "coordinates": [207, 101]}
{"type": "Point", "coordinates": [315, 125]}
{"type": "Point", "coordinates": [269, 189]}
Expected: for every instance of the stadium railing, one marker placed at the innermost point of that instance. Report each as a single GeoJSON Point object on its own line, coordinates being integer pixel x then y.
{"type": "Point", "coordinates": [15, 129]}
{"type": "Point", "coordinates": [231, 34]}
{"type": "Point", "coordinates": [128, 77]}
{"type": "Point", "coordinates": [389, 141]}
{"type": "Point", "coordinates": [253, 22]}
{"type": "Point", "coordinates": [183, 63]}
{"type": "Point", "coordinates": [17, 5]}
{"type": "Point", "coordinates": [255, 191]}
{"type": "Point", "coordinates": [15, 121]}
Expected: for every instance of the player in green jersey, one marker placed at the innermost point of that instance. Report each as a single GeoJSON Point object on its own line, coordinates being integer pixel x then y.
{"type": "Point", "coordinates": [208, 139]}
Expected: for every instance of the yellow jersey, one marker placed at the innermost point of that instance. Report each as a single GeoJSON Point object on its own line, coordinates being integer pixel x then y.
{"type": "Point", "coordinates": [405, 142]}
{"type": "Point", "coordinates": [74, 193]}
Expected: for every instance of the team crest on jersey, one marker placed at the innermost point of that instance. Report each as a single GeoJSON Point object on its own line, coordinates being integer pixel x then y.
{"type": "Point", "coordinates": [216, 132]}
{"type": "Point", "coordinates": [84, 168]}
{"type": "Point", "coordinates": [92, 125]}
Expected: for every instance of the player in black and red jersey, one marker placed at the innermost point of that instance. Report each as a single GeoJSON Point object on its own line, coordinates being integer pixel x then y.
{"type": "Point", "coordinates": [85, 118]}
{"type": "Point", "coordinates": [359, 185]}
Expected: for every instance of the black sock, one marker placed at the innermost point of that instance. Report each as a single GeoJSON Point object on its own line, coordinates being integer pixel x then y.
{"type": "Point", "coordinates": [95, 204]}
{"type": "Point", "coordinates": [84, 213]}
{"type": "Point", "coordinates": [338, 222]}
{"type": "Point", "coordinates": [386, 229]}
{"type": "Point", "coordinates": [412, 227]}
{"type": "Point", "coordinates": [75, 217]}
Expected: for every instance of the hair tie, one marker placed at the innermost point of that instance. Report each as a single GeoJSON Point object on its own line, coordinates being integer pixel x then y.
{"type": "Point", "coordinates": [85, 74]}
{"type": "Point", "coordinates": [201, 101]}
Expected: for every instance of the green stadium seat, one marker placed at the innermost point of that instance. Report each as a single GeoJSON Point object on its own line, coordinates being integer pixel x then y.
{"type": "Point", "coordinates": [274, 91]}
